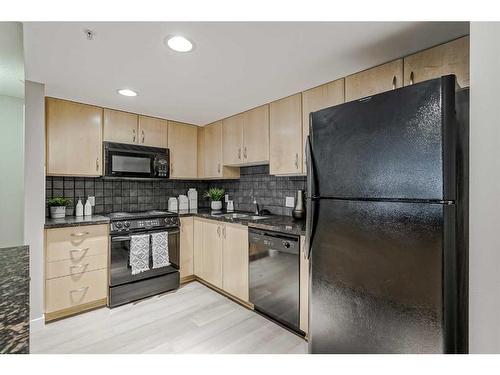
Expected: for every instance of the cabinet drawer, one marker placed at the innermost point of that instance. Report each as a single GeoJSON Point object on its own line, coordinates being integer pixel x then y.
{"type": "Point", "coordinates": [71, 291]}
{"type": "Point", "coordinates": [75, 266]}
{"type": "Point", "coordinates": [76, 242]}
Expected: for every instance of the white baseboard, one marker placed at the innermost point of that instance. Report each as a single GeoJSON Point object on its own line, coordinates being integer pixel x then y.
{"type": "Point", "coordinates": [37, 324]}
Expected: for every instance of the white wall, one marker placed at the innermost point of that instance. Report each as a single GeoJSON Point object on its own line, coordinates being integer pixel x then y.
{"type": "Point", "coordinates": [11, 170]}
{"type": "Point", "coordinates": [484, 248]}
{"type": "Point", "coordinates": [34, 192]}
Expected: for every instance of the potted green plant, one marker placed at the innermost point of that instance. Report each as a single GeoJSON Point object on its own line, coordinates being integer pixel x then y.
{"type": "Point", "coordinates": [215, 195]}
{"type": "Point", "coordinates": [57, 206]}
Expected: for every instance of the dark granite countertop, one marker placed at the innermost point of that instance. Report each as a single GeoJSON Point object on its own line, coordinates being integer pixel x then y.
{"type": "Point", "coordinates": [277, 223]}
{"type": "Point", "coordinates": [14, 300]}
{"type": "Point", "coordinates": [73, 221]}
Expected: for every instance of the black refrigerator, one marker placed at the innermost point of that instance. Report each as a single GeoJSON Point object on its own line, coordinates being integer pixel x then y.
{"type": "Point", "coordinates": [386, 222]}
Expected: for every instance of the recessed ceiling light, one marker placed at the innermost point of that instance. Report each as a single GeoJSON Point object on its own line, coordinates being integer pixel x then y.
{"type": "Point", "coordinates": [127, 92]}
{"type": "Point", "coordinates": [179, 43]}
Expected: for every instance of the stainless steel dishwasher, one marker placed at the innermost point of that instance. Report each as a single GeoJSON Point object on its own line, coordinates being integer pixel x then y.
{"type": "Point", "coordinates": [274, 275]}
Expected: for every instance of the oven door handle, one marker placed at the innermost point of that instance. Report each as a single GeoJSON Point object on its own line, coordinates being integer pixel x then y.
{"type": "Point", "coordinates": [120, 239]}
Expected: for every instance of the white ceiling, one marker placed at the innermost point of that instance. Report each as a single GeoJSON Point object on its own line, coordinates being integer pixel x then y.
{"type": "Point", "coordinates": [11, 59]}
{"type": "Point", "coordinates": [234, 66]}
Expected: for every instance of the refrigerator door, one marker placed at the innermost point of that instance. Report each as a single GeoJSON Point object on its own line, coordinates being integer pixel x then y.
{"type": "Point", "coordinates": [378, 275]}
{"type": "Point", "coordinates": [397, 145]}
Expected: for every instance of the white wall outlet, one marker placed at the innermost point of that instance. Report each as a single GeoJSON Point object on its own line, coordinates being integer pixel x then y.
{"type": "Point", "coordinates": [226, 198]}
{"type": "Point", "coordinates": [290, 202]}
{"type": "Point", "coordinates": [92, 200]}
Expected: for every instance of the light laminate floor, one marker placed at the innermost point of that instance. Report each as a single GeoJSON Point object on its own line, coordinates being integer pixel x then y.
{"type": "Point", "coordinates": [193, 319]}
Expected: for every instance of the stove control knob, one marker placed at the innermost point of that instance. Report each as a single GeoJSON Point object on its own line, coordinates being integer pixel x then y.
{"type": "Point", "coordinates": [118, 225]}
{"type": "Point", "coordinates": [126, 224]}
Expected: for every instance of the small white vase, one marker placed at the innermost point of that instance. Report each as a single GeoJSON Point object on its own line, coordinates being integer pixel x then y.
{"type": "Point", "coordinates": [57, 212]}
{"type": "Point", "coordinates": [216, 205]}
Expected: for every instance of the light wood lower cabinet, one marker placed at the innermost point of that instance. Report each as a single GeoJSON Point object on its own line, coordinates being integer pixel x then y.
{"type": "Point", "coordinates": [304, 288]}
{"type": "Point", "coordinates": [211, 254]}
{"type": "Point", "coordinates": [373, 81]}
{"type": "Point", "coordinates": [73, 138]}
{"type": "Point", "coordinates": [235, 260]}
{"type": "Point", "coordinates": [76, 269]}
{"type": "Point", "coordinates": [221, 256]}
{"type": "Point", "coordinates": [186, 248]}
{"type": "Point", "coordinates": [448, 58]}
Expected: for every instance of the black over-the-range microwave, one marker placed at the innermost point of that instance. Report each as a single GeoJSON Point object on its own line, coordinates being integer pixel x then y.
{"type": "Point", "coordinates": [125, 160]}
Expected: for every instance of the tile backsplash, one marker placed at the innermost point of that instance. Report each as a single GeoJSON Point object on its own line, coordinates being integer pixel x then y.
{"type": "Point", "coordinates": [137, 195]}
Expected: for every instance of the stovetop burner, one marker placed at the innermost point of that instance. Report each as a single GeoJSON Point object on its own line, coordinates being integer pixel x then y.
{"type": "Point", "coordinates": [139, 214]}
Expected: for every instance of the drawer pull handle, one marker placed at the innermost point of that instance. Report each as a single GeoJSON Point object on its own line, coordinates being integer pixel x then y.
{"type": "Point", "coordinates": [80, 266]}
{"type": "Point", "coordinates": [411, 78]}
{"type": "Point", "coordinates": [83, 289]}
{"type": "Point", "coordinates": [80, 250]}
{"type": "Point", "coordinates": [81, 234]}
{"type": "Point", "coordinates": [74, 252]}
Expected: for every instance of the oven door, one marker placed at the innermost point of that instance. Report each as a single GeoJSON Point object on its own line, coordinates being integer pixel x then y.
{"type": "Point", "coordinates": [120, 270]}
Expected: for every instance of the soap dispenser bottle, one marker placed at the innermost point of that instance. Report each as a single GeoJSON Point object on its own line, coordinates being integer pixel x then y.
{"type": "Point", "coordinates": [88, 208]}
{"type": "Point", "coordinates": [79, 208]}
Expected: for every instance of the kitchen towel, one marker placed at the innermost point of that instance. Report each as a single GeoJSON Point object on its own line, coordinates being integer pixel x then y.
{"type": "Point", "coordinates": [160, 249]}
{"type": "Point", "coordinates": [139, 253]}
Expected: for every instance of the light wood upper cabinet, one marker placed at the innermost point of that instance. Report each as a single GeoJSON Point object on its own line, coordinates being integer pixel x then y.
{"type": "Point", "coordinates": [232, 135]}
{"type": "Point", "coordinates": [73, 138]}
{"type": "Point", "coordinates": [183, 145]}
{"type": "Point", "coordinates": [235, 261]}
{"type": "Point", "coordinates": [212, 253]}
{"type": "Point", "coordinates": [256, 135]}
{"type": "Point", "coordinates": [120, 127]}
{"type": "Point", "coordinates": [313, 100]}
{"type": "Point", "coordinates": [374, 81]}
{"type": "Point", "coordinates": [152, 132]}
{"type": "Point", "coordinates": [213, 149]}
{"type": "Point", "coordinates": [448, 58]}
{"type": "Point", "coordinates": [285, 129]}
{"type": "Point", "coordinates": [186, 247]}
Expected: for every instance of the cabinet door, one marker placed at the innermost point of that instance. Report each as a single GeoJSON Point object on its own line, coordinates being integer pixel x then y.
{"type": "Point", "coordinates": [198, 247]}
{"type": "Point", "coordinates": [256, 135]}
{"type": "Point", "coordinates": [304, 288]}
{"type": "Point", "coordinates": [320, 97]}
{"type": "Point", "coordinates": [120, 126]}
{"type": "Point", "coordinates": [153, 132]}
{"type": "Point", "coordinates": [74, 138]}
{"type": "Point", "coordinates": [232, 140]}
{"type": "Point", "coordinates": [374, 81]}
{"type": "Point", "coordinates": [235, 261]}
{"type": "Point", "coordinates": [187, 247]}
{"type": "Point", "coordinates": [212, 253]}
{"type": "Point", "coordinates": [285, 129]}
{"type": "Point", "coordinates": [183, 145]}
{"type": "Point", "coordinates": [213, 149]}
{"type": "Point", "coordinates": [448, 58]}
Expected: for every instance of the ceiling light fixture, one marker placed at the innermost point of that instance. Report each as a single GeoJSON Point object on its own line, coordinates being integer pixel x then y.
{"type": "Point", "coordinates": [127, 92]}
{"type": "Point", "coordinates": [179, 43]}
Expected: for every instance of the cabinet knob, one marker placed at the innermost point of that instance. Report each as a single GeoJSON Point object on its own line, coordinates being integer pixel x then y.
{"type": "Point", "coordinates": [224, 231]}
{"type": "Point", "coordinates": [133, 135]}
{"type": "Point", "coordinates": [245, 152]}
{"type": "Point", "coordinates": [218, 230]}
{"type": "Point", "coordinates": [143, 136]}
{"type": "Point", "coordinates": [218, 168]}
{"type": "Point", "coordinates": [411, 78]}
{"type": "Point", "coordinates": [296, 161]}
{"type": "Point", "coordinates": [239, 153]}
{"type": "Point", "coordinates": [394, 82]}
{"type": "Point", "coordinates": [97, 164]}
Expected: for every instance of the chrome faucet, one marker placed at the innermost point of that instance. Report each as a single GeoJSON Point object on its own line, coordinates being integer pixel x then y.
{"type": "Point", "coordinates": [257, 210]}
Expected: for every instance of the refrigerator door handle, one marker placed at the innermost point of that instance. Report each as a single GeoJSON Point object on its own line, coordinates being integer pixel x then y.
{"type": "Point", "coordinates": [310, 200]}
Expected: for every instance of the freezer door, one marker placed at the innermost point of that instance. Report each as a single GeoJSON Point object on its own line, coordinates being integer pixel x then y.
{"type": "Point", "coordinates": [399, 144]}
{"type": "Point", "coordinates": [382, 278]}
